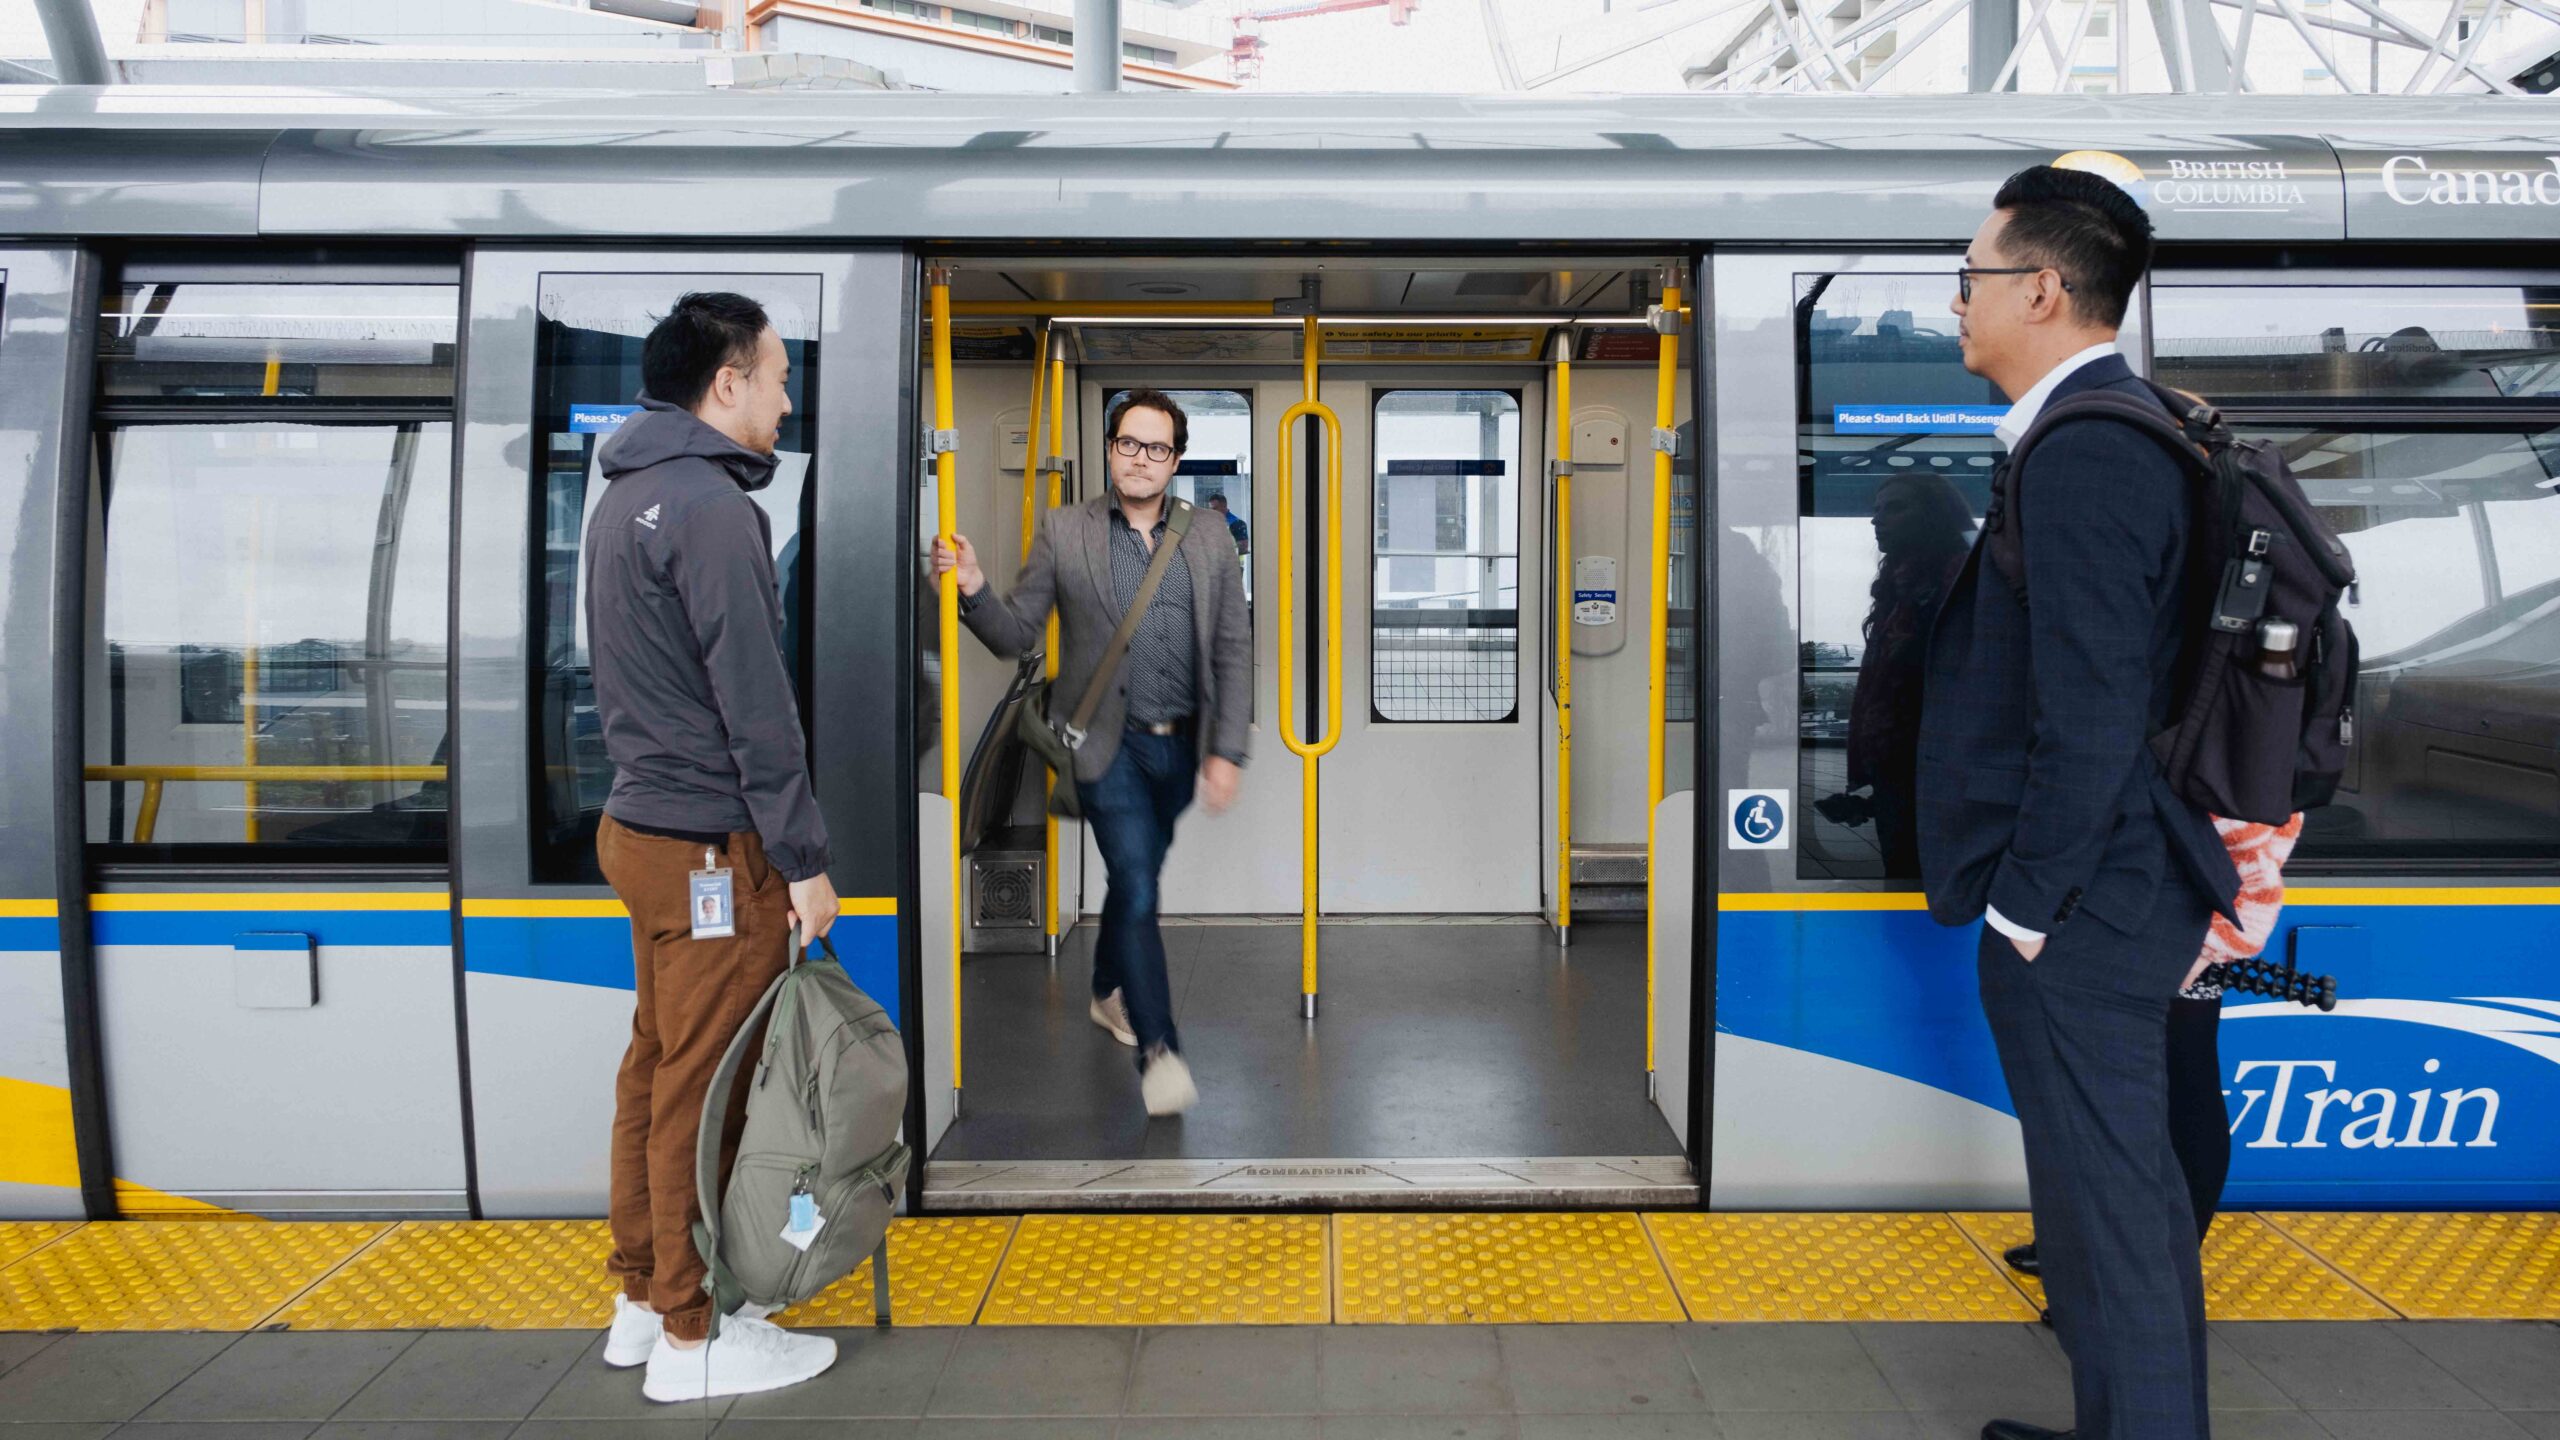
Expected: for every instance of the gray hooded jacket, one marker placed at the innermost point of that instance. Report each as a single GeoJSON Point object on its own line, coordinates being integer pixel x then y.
{"type": "Point", "coordinates": [684, 625]}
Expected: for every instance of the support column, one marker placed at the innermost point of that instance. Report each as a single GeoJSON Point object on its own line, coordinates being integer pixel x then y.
{"type": "Point", "coordinates": [71, 32]}
{"type": "Point", "coordinates": [1097, 46]}
{"type": "Point", "coordinates": [2198, 60]}
{"type": "Point", "coordinates": [1994, 33]}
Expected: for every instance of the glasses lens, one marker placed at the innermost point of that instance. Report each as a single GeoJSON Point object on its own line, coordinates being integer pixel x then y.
{"type": "Point", "coordinates": [1964, 286]}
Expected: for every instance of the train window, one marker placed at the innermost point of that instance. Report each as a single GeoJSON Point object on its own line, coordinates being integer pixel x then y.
{"type": "Point", "coordinates": [202, 344]}
{"type": "Point", "coordinates": [1219, 464]}
{"type": "Point", "coordinates": [2456, 537]}
{"type": "Point", "coordinates": [2280, 344]}
{"type": "Point", "coordinates": [1894, 453]}
{"type": "Point", "coordinates": [1444, 616]}
{"type": "Point", "coordinates": [274, 597]}
{"type": "Point", "coordinates": [588, 334]}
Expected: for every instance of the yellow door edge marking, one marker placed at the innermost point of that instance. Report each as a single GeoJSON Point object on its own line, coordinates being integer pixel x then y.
{"type": "Point", "coordinates": [44, 909]}
{"type": "Point", "coordinates": [585, 908]}
{"type": "Point", "coordinates": [388, 1230]}
{"type": "Point", "coordinates": [1824, 900]}
{"type": "Point", "coordinates": [274, 900]}
{"type": "Point", "coordinates": [2323, 1261]}
{"type": "Point", "coordinates": [2422, 895]}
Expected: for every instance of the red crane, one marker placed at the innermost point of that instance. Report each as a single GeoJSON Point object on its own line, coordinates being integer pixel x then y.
{"type": "Point", "coordinates": [1244, 57]}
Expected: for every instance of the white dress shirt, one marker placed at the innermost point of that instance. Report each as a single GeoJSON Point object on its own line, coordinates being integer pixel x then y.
{"type": "Point", "coordinates": [2010, 429]}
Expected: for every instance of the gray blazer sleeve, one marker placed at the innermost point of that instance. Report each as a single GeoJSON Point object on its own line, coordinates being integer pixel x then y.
{"type": "Point", "coordinates": [724, 576]}
{"type": "Point", "coordinates": [1011, 624]}
{"type": "Point", "coordinates": [1231, 656]}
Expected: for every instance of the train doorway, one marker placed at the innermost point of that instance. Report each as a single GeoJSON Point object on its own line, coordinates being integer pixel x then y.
{"type": "Point", "coordinates": [1413, 1025]}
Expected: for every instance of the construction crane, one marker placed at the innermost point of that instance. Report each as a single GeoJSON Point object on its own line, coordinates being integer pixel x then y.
{"type": "Point", "coordinates": [1244, 56]}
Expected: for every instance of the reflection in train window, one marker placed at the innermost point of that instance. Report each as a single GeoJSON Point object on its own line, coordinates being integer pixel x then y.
{"type": "Point", "coordinates": [1894, 458]}
{"type": "Point", "coordinates": [2273, 344]}
{"type": "Point", "coordinates": [200, 344]}
{"type": "Point", "coordinates": [1219, 465]}
{"type": "Point", "coordinates": [586, 379]}
{"type": "Point", "coordinates": [274, 596]}
{"type": "Point", "coordinates": [2456, 537]}
{"type": "Point", "coordinates": [1444, 601]}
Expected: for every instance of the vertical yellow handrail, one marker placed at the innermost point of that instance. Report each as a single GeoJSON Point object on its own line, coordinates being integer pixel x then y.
{"type": "Point", "coordinates": [1309, 754]}
{"type": "Point", "coordinates": [1564, 584]}
{"type": "Point", "coordinates": [946, 467]}
{"type": "Point", "coordinates": [1664, 419]}
{"type": "Point", "coordinates": [1055, 347]}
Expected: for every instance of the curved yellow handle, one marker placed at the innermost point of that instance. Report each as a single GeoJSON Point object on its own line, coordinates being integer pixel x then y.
{"type": "Point", "coordinates": [1332, 581]}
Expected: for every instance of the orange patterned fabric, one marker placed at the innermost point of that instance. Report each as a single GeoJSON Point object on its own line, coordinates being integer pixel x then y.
{"type": "Point", "coordinates": [2258, 852]}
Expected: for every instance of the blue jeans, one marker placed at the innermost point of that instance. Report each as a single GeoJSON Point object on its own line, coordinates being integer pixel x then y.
{"type": "Point", "coordinates": [1132, 809]}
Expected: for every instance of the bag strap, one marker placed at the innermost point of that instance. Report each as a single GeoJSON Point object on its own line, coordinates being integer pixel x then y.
{"type": "Point", "coordinates": [708, 1183]}
{"type": "Point", "coordinates": [1177, 526]}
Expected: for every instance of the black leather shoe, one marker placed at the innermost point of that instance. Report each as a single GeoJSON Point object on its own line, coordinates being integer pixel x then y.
{"type": "Point", "coordinates": [2021, 1430]}
{"type": "Point", "coordinates": [2022, 1258]}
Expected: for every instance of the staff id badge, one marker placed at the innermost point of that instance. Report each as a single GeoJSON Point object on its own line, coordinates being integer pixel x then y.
{"type": "Point", "coordinates": [714, 897]}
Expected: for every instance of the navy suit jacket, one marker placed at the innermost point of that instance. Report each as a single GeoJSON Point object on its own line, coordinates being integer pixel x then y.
{"type": "Point", "coordinates": [2038, 793]}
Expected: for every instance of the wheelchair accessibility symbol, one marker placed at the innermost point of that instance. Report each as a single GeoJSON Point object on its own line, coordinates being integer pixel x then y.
{"type": "Point", "coordinates": [1759, 820]}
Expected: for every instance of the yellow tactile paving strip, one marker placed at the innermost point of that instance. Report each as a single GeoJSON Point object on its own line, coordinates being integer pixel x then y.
{"type": "Point", "coordinates": [469, 1274]}
{"type": "Point", "coordinates": [1995, 1231]}
{"type": "Point", "coordinates": [1832, 1267]}
{"type": "Point", "coordinates": [1162, 1270]}
{"type": "Point", "coordinates": [1195, 1269]}
{"type": "Point", "coordinates": [939, 1271]}
{"type": "Point", "coordinates": [21, 1238]}
{"type": "Point", "coordinates": [172, 1275]}
{"type": "Point", "coordinates": [1497, 1269]}
{"type": "Point", "coordinates": [2503, 1266]}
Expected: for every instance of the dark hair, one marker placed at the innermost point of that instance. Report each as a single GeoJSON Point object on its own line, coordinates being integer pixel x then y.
{"type": "Point", "coordinates": [706, 330]}
{"type": "Point", "coordinates": [1152, 400]}
{"type": "Point", "coordinates": [2084, 226]}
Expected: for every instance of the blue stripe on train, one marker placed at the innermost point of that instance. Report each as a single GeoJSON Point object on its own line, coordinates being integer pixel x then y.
{"type": "Point", "coordinates": [596, 950]}
{"type": "Point", "coordinates": [221, 927]}
{"type": "Point", "coordinates": [29, 932]}
{"type": "Point", "coordinates": [2348, 1107]}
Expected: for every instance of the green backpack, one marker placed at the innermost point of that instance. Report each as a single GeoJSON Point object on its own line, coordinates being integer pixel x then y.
{"type": "Point", "coordinates": [819, 1163]}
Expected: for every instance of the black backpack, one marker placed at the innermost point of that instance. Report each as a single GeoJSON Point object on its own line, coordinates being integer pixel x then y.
{"type": "Point", "coordinates": [2264, 707]}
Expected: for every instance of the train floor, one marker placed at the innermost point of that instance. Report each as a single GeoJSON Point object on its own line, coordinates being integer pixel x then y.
{"type": "Point", "coordinates": [1448, 1038]}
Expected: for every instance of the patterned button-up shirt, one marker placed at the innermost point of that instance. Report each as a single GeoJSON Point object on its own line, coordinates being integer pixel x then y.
{"type": "Point", "coordinates": [1162, 667]}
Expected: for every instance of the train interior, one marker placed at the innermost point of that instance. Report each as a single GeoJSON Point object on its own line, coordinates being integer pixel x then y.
{"type": "Point", "coordinates": [1451, 1023]}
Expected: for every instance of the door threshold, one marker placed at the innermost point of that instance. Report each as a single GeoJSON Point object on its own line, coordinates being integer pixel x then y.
{"type": "Point", "coordinates": [1588, 1181]}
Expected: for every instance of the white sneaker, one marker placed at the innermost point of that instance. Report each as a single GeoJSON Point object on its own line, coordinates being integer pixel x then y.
{"type": "Point", "coordinates": [1112, 1014]}
{"type": "Point", "coordinates": [749, 1356]}
{"type": "Point", "coordinates": [634, 1334]}
{"type": "Point", "coordinates": [1167, 1085]}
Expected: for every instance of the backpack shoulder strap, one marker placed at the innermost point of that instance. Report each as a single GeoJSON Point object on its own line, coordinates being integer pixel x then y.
{"type": "Point", "coordinates": [2178, 439]}
{"type": "Point", "coordinates": [1177, 525]}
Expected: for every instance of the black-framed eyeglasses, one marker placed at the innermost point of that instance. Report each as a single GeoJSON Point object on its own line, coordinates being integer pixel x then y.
{"type": "Point", "coordinates": [1130, 448]}
{"type": "Point", "coordinates": [1965, 274]}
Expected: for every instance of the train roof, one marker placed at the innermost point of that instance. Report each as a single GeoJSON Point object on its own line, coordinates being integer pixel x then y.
{"type": "Point", "coordinates": [1153, 169]}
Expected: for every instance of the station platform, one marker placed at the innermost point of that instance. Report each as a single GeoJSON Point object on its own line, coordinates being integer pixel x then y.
{"type": "Point", "coordinates": [1244, 1326]}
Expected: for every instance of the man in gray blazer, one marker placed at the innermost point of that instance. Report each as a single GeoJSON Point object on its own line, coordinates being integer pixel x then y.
{"type": "Point", "coordinates": [1176, 721]}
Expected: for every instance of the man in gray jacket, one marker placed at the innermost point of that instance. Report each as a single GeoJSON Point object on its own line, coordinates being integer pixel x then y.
{"type": "Point", "coordinates": [711, 835]}
{"type": "Point", "coordinates": [1176, 721]}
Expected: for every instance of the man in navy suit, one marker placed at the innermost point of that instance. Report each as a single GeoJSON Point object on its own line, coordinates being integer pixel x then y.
{"type": "Point", "coordinates": [2043, 814]}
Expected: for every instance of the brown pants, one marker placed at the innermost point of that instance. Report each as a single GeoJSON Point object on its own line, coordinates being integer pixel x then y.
{"type": "Point", "coordinates": [693, 995]}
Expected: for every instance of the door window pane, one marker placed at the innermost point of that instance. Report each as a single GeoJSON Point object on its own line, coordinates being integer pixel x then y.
{"type": "Point", "coordinates": [1893, 457]}
{"type": "Point", "coordinates": [204, 344]}
{"type": "Point", "coordinates": [588, 334]}
{"type": "Point", "coordinates": [2456, 538]}
{"type": "Point", "coordinates": [2275, 344]}
{"type": "Point", "coordinates": [274, 598]}
{"type": "Point", "coordinates": [1444, 618]}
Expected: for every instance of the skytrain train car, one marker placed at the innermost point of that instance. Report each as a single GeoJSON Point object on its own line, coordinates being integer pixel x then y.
{"type": "Point", "coordinates": [1580, 456]}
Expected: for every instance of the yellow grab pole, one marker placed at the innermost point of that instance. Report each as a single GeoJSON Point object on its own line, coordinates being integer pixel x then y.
{"type": "Point", "coordinates": [1056, 348]}
{"type": "Point", "coordinates": [1031, 452]}
{"type": "Point", "coordinates": [945, 479]}
{"type": "Point", "coordinates": [1564, 584]}
{"type": "Point", "coordinates": [1658, 643]}
{"type": "Point", "coordinates": [1309, 753]}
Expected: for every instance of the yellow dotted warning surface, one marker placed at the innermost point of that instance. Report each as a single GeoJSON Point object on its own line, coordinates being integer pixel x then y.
{"type": "Point", "coordinates": [2443, 1267]}
{"type": "Point", "coordinates": [939, 1271]}
{"type": "Point", "coordinates": [1994, 1231]}
{"type": "Point", "coordinates": [1832, 1267]}
{"type": "Point", "coordinates": [488, 1274]}
{"type": "Point", "coordinates": [1497, 1269]}
{"type": "Point", "coordinates": [20, 1238]}
{"type": "Point", "coordinates": [1162, 1270]}
{"type": "Point", "coordinates": [159, 1275]}
{"type": "Point", "coordinates": [2252, 1272]}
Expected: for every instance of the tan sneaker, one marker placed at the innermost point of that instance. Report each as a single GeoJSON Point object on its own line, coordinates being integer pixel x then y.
{"type": "Point", "coordinates": [1167, 1085]}
{"type": "Point", "coordinates": [1112, 1014]}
